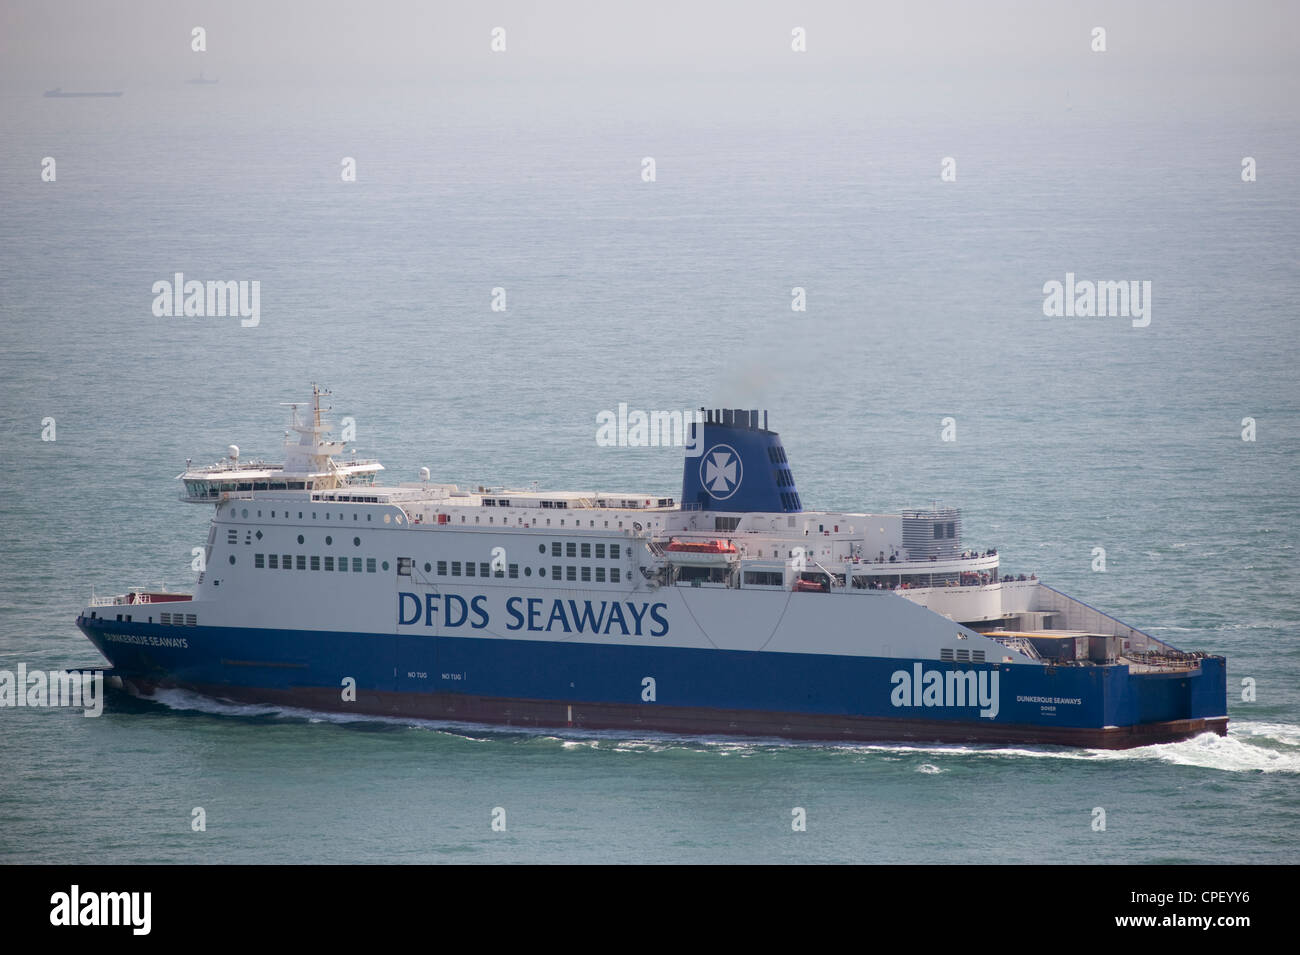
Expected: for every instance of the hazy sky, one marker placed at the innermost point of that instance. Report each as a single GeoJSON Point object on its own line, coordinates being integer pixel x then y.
{"type": "Point", "coordinates": [1240, 56]}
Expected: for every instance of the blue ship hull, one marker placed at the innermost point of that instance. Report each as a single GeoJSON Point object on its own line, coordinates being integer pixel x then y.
{"type": "Point", "coordinates": [540, 683]}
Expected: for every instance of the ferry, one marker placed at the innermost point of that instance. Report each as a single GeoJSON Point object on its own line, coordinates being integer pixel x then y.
{"type": "Point", "coordinates": [729, 610]}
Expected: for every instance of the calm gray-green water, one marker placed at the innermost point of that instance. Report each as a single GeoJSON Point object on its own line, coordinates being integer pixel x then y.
{"type": "Point", "coordinates": [924, 301]}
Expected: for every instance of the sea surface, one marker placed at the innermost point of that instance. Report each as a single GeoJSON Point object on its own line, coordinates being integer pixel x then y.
{"type": "Point", "coordinates": [924, 302]}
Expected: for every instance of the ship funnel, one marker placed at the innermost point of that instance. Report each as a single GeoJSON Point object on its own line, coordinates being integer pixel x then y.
{"type": "Point", "coordinates": [233, 451]}
{"type": "Point", "coordinates": [741, 466]}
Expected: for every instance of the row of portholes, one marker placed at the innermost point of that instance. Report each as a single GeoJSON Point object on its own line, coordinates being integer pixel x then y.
{"type": "Point", "coordinates": [244, 513]}
{"type": "Point", "coordinates": [313, 562]}
{"type": "Point", "coordinates": [514, 570]}
{"type": "Point", "coordinates": [329, 540]}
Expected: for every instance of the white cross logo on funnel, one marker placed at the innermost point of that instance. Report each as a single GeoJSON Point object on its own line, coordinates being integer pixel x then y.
{"type": "Point", "coordinates": [721, 471]}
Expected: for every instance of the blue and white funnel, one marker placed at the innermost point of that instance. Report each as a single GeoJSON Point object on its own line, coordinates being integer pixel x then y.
{"type": "Point", "coordinates": [741, 467]}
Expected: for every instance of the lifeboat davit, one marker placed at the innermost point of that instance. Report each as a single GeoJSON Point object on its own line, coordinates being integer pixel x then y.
{"type": "Point", "coordinates": [701, 553]}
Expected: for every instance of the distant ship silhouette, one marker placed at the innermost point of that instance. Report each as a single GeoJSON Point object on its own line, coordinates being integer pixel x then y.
{"type": "Point", "coordinates": [57, 93]}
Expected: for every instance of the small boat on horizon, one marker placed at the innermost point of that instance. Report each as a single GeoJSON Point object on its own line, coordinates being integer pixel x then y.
{"type": "Point", "coordinates": [58, 93]}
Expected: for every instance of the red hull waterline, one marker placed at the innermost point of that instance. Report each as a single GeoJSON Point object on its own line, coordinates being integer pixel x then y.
{"type": "Point", "coordinates": [694, 721]}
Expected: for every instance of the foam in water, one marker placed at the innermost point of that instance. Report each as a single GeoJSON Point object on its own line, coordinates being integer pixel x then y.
{"type": "Point", "coordinates": [1249, 747]}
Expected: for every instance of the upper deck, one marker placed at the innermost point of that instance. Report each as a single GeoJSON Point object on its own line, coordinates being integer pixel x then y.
{"type": "Point", "coordinates": [311, 463]}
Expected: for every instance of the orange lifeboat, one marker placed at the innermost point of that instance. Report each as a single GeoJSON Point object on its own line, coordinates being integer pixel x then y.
{"type": "Point", "coordinates": [812, 586]}
{"type": "Point", "coordinates": [701, 553]}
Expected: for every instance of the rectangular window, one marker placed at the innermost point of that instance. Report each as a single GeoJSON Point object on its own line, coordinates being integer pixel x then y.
{"type": "Point", "coordinates": [455, 568]}
{"type": "Point", "coordinates": [356, 565]}
{"type": "Point", "coordinates": [274, 563]}
{"type": "Point", "coordinates": [555, 572]}
{"type": "Point", "coordinates": [586, 550]}
{"type": "Point", "coordinates": [287, 561]}
{"type": "Point", "coordinates": [484, 570]}
{"type": "Point", "coordinates": [613, 575]}
{"type": "Point", "coordinates": [329, 562]}
{"type": "Point", "coordinates": [302, 562]}
{"type": "Point", "coordinates": [570, 549]}
{"type": "Point", "coordinates": [613, 552]}
{"type": "Point", "coordinates": [571, 573]}
{"type": "Point", "coordinates": [600, 551]}
{"type": "Point", "coordinates": [370, 565]}
{"type": "Point", "coordinates": [442, 568]}
{"type": "Point", "coordinates": [586, 574]}
{"type": "Point", "coordinates": [600, 575]}
{"type": "Point", "coordinates": [315, 562]}
{"type": "Point", "coordinates": [469, 568]}
{"type": "Point", "coordinates": [259, 560]}
{"type": "Point", "coordinates": [514, 571]}
{"type": "Point", "coordinates": [343, 564]}
{"type": "Point", "coordinates": [555, 548]}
